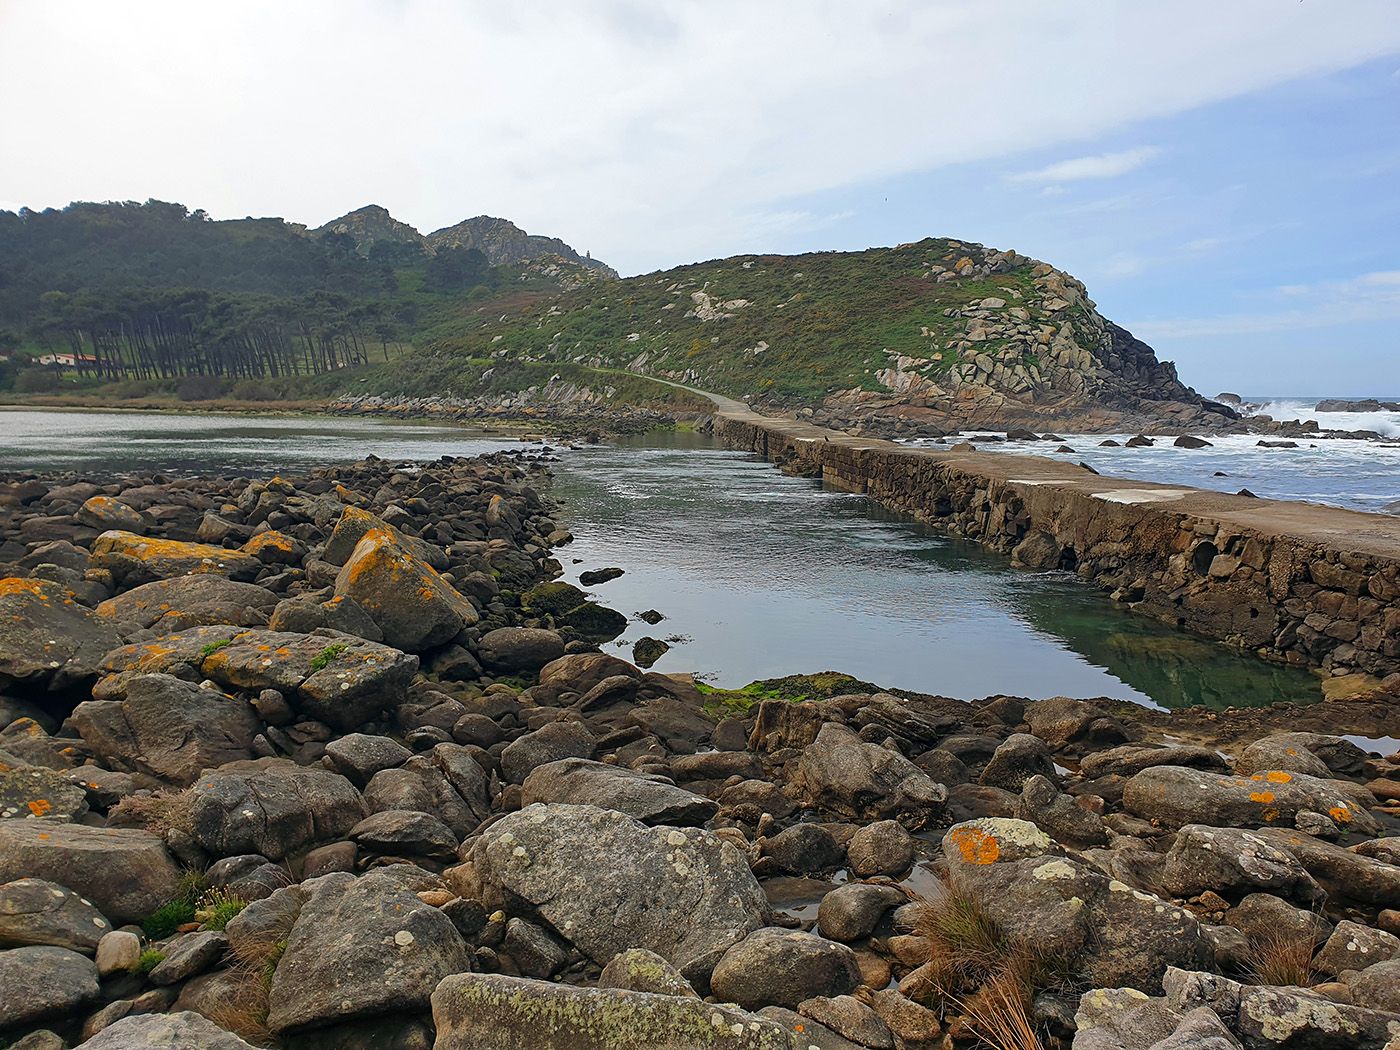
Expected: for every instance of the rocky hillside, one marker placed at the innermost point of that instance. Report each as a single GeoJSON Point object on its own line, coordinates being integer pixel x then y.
{"type": "Point", "coordinates": [942, 327]}
{"type": "Point", "coordinates": [373, 225]}
{"type": "Point", "coordinates": [503, 242]}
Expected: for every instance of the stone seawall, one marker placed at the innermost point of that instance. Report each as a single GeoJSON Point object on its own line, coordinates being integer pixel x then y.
{"type": "Point", "coordinates": [1297, 582]}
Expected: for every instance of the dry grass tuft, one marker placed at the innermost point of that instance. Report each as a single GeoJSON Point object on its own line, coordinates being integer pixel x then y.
{"type": "Point", "coordinates": [999, 1013]}
{"type": "Point", "coordinates": [1282, 957]}
{"type": "Point", "coordinates": [159, 813]}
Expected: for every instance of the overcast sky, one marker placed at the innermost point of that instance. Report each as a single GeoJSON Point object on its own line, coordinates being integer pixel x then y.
{"type": "Point", "coordinates": [1224, 176]}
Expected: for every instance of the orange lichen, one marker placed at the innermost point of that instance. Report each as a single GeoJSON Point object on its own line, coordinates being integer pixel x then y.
{"type": "Point", "coordinates": [1273, 777]}
{"type": "Point", "coordinates": [40, 807]}
{"type": "Point", "coordinates": [1262, 797]}
{"type": "Point", "coordinates": [976, 845]}
{"type": "Point", "coordinates": [1340, 813]}
{"type": "Point", "coordinates": [21, 585]}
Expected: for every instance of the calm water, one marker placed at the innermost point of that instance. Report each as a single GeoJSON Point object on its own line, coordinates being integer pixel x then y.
{"type": "Point", "coordinates": [762, 574]}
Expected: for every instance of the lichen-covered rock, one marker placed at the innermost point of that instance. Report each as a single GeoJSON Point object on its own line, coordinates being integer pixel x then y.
{"type": "Point", "coordinates": [181, 1030]}
{"type": "Point", "coordinates": [1230, 861]}
{"type": "Point", "coordinates": [47, 639]}
{"type": "Point", "coordinates": [651, 799]}
{"type": "Point", "coordinates": [275, 548]}
{"type": "Point", "coordinates": [179, 653]}
{"type": "Point", "coordinates": [273, 808]}
{"type": "Point", "coordinates": [778, 967]}
{"type": "Point", "coordinates": [104, 512]}
{"type": "Point", "coordinates": [39, 792]}
{"type": "Point", "coordinates": [1175, 796]}
{"type": "Point", "coordinates": [167, 728]}
{"type": "Point", "coordinates": [1117, 935]}
{"type": "Point", "coordinates": [38, 912]}
{"type": "Point", "coordinates": [608, 882]}
{"type": "Point", "coordinates": [474, 1011]}
{"type": "Point", "coordinates": [338, 679]}
{"type": "Point", "coordinates": [640, 970]}
{"type": "Point", "coordinates": [125, 873]}
{"type": "Point", "coordinates": [842, 773]}
{"type": "Point", "coordinates": [142, 558]}
{"type": "Point", "coordinates": [42, 982]}
{"type": "Point", "coordinates": [189, 601]}
{"type": "Point", "coordinates": [361, 948]}
{"type": "Point", "coordinates": [355, 524]}
{"type": "Point", "coordinates": [415, 607]}
{"type": "Point", "coordinates": [550, 743]}
{"type": "Point", "coordinates": [1343, 872]}
{"type": "Point", "coordinates": [1353, 946]}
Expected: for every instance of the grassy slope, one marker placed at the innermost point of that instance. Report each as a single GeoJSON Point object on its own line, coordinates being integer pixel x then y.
{"type": "Point", "coordinates": [831, 321]}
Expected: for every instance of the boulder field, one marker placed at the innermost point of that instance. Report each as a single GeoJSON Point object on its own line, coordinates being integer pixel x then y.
{"type": "Point", "coordinates": [335, 762]}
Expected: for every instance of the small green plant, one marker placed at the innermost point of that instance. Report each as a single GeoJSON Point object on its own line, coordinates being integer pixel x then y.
{"type": "Point", "coordinates": [166, 919]}
{"type": "Point", "coordinates": [216, 907]}
{"type": "Point", "coordinates": [148, 961]}
{"type": "Point", "coordinates": [326, 655]}
{"type": "Point", "coordinates": [214, 647]}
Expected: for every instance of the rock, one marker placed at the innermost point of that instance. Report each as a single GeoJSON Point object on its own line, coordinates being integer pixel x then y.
{"type": "Point", "coordinates": [399, 831]}
{"type": "Point", "coordinates": [906, 1019]}
{"type": "Point", "coordinates": [130, 556]}
{"type": "Point", "coordinates": [651, 799]}
{"type": "Point", "coordinates": [337, 679]}
{"type": "Point", "coordinates": [1175, 796]}
{"type": "Point", "coordinates": [186, 601]}
{"type": "Point", "coordinates": [881, 848]}
{"type": "Point", "coordinates": [1188, 441]}
{"type": "Point", "coordinates": [37, 983]}
{"type": "Point", "coordinates": [1038, 550]}
{"type": "Point", "coordinates": [446, 781]}
{"type": "Point", "coordinates": [1260, 916]}
{"type": "Point", "coordinates": [415, 608]}
{"type": "Point", "coordinates": [1133, 758]}
{"type": "Point", "coordinates": [684, 894]}
{"type": "Point", "coordinates": [118, 952]}
{"type": "Point", "coordinates": [842, 773]}
{"type": "Point", "coordinates": [1377, 987]}
{"type": "Point", "coordinates": [851, 912]}
{"type": "Point", "coordinates": [1262, 1017]}
{"type": "Point", "coordinates": [361, 948]}
{"type": "Point", "coordinates": [188, 955]}
{"type": "Point", "coordinates": [48, 640]}
{"type": "Point", "coordinates": [1272, 753]}
{"type": "Point", "coordinates": [167, 728]}
{"type": "Point", "coordinates": [104, 512]}
{"type": "Point", "coordinates": [1353, 946]}
{"type": "Point", "coordinates": [648, 650]}
{"type": "Point", "coordinates": [1020, 757]}
{"type": "Point", "coordinates": [305, 614]}
{"type": "Point", "coordinates": [37, 912]}
{"type": "Point", "coordinates": [1119, 936]}
{"type": "Point", "coordinates": [273, 808]}
{"type": "Point", "coordinates": [515, 650]}
{"type": "Point", "coordinates": [593, 622]}
{"type": "Point", "coordinates": [535, 952]}
{"type": "Point", "coordinates": [639, 970]}
{"type": "Point", "coordinates": [1342, 872]}
{"type": "Point", "coordinates": [125, 873]}
{"type": "Point", "coordinates": [1059, 814]}
{"type": "Point", "coordinates": [549, 743]}
{"type": "Point", "coordinates": [1231, 861]}
{"type": "Point", "coordinates": [1122, 1019]}
{"type": "Point", "coordinates": [774, 966]}
{"type": "Point", "coordinates": [358, 756]}
{"type": "Point", "coordinates": [578, 673]}
{"type": "Point", "coordinates": [593, 577]}
{"type": "Point", "coordinates": [173, 1031]}
{"type": "Point", "coordinates": [355, 524]}
{"type": "Point", "coordinates": [475, 1011]}
{"type": "Point", "coordinates": [804, 849]}
{"type": "Point", "coordinates": [1065, 723]}
{"type": "Point", "coordinates": [38, 792]}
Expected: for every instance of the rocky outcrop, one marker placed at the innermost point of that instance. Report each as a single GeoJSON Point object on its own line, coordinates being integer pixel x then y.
{"type": "Point", "coordinates": [501, 241]}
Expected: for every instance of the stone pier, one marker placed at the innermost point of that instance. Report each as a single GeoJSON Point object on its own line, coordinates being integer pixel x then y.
{"type": "Point", "coordinates": [1298, 583]}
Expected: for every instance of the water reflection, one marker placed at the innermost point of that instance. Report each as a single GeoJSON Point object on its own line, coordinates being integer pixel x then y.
{"type": "Point", "coordinates": [769, 575]}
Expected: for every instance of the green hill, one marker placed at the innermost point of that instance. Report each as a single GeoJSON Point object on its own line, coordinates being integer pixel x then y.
{"type": "Point", "coordinates": [929, 324]}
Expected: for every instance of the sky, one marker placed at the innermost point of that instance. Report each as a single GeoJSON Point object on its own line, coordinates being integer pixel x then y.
{"type": "Point", "coordinates": [1223, 176]}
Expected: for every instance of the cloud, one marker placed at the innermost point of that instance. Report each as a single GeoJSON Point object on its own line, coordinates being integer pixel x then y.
{"type": "Point", "coordinates": [1099, 166]}
{"type": "Point", "coordinates": [1366, 297]}
{"type": "Point", "coordinates": [648, 134]}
